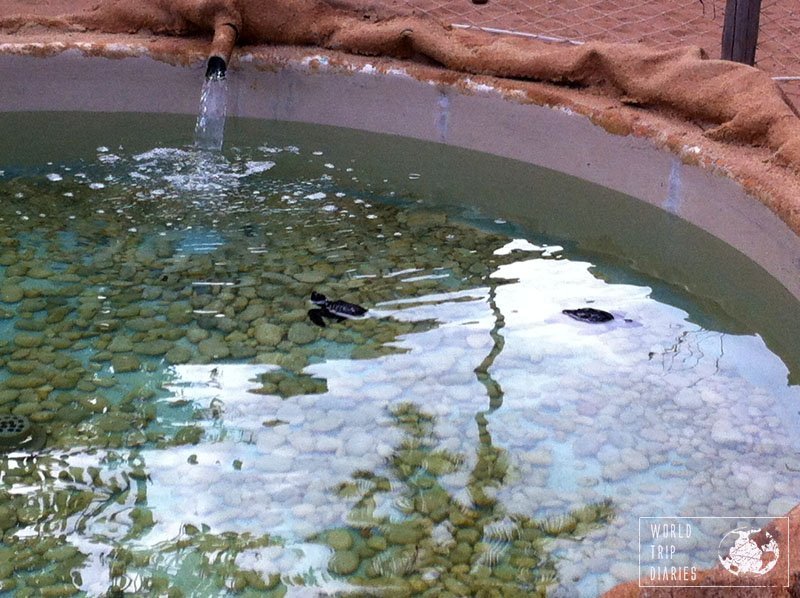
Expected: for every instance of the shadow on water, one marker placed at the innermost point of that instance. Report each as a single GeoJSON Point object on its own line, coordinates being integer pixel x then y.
{"type": "Point", "coordinates": [408, 530]}
{"type": "Point", "coordinates": [431, 538]}
{"type": "Point", "coordinates": [84, 525]}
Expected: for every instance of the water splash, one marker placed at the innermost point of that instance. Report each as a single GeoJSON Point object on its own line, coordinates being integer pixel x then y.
{"type": "Point", "coordinates": [210, 128]}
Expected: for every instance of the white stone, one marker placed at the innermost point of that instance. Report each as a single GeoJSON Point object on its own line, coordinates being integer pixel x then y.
{"type": "Point", "coordinates": [714, 527]}
{"type": "Point", "coordinates": [278, 462]}
{"type": "Point", "coordinates": [328, 444]}
{"type": "Point", "coordinates": [760, 489]}
{"type": "Point", "coordinates": [625, 571]}
{"type": "Point", "coordinates": [724, 432]}
{"type": "Point", "coordinates": [538, 457]}
{"type": "Point", "coordinates": [385, 392]}
{"type": "Point", "coordinates": [586, 445]}
{"type": "Point", "coordinates": [615, 471]}
{"type": "Point", "coordinates": [781, 505]}
{"type": "Point", "coordinates": [760, 400]}
{"type": "Point", "coordinates": [622, 440]}
{"type": "Point", "coordinates": [607, 455]}
{"type": "Point", "coordinates": [268, 442]}
{"type": "Point", "coordinates": [290, 413]}
{"type": "Point", "coordinates": [444, 359]}
{"type": "Point", "coordinates": [304, 528]}
{"type": "Point", "coordinates": [304, 510]}
{"type": "Point", "coordinates": [478, 341]}
{"type": "Point", "coordinates": [302, 443]}
{"type": "Point", "coordinates": [634, 459]}
{"type": "Point", "coordinates": [688, 399]}
{"type": "Point", "coordinates": [326, 423]}
{"type": "Point", "coordinates": [461, 393]}
{"type": "Point", "coordinates": [359, 443]}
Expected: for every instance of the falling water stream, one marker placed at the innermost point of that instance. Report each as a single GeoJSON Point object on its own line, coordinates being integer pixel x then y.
{"type": "Point", "coordinates": [210, 128]}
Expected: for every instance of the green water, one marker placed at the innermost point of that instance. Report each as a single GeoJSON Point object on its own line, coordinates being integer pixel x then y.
{"type": "Point", "coordinates": [204, 437]}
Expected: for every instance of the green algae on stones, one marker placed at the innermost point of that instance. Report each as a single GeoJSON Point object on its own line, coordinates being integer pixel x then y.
{"type": "Point", "coordinates": [267, 334]}
{"type": "Point", "coordinates": [178, 355]}
{"type": "Point", "coordinates": [484, 555]}
{"type": "Point", "coordinates": [289, 384]}
{"type": "Point", "coordinates": [340, 539]}
{"type": "Point", "coordinates": [8, 518]}
{"type": "Point", "coordinates": [28, 341]}
{"type": "Point", "coordinates": [11, 293]}
{"type": "Point", "coordinates": [301, 333]}
{"type": "Point", "coordinates": [188, 435]}
{"type": "Point", "coordinates": [343, 562]}
{"type": "Point", "coordinates": [125, 363]}
{"type": "Point", "coordinates": [214, 348]}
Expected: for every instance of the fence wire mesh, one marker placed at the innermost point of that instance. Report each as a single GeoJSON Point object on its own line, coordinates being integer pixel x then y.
{"type": "Point", "coordinates": [658, 23]}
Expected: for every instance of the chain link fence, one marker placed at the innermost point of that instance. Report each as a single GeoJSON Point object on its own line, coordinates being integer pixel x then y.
{"type": "Point", "coordinates": [778, 50]}
{"type": "Point", "coordinates": [658, 23]}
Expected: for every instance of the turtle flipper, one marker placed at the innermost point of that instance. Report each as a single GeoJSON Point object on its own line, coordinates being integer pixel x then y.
{"type": "Point", "coordinates": [316, 316]}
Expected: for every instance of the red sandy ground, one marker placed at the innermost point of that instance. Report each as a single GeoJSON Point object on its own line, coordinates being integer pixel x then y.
{"type": "Point", "coordinates": [663, 23]}
{"type": "Point", "coordinates": [660, 23]}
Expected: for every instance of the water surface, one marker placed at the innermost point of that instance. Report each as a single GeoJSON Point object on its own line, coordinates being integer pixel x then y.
{"type": "Point", "coordinates": [205, 436]}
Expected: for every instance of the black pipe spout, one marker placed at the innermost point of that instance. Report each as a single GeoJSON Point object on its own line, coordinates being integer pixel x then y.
{"type": "Point", "coordinates": [216, 68]}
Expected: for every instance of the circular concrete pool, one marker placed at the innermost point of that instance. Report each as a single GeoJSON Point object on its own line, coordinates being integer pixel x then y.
{"type": "Point", "coordinates": [466, 434]}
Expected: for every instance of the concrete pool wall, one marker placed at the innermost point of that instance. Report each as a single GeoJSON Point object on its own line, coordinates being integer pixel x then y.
{"type": "Point", "coordinates": [385, 97]}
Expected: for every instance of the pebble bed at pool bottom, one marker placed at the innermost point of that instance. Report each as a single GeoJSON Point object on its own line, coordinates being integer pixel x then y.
{"type": "Point", "coordinates": [466, 437]}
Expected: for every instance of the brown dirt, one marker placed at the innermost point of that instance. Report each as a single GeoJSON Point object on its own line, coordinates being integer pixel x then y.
{"type": "Point", "coordinates": [663, 24]}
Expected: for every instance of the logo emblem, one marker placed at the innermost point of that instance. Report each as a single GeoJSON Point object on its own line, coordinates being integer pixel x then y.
{"type": "Point", "coordinates": [745, 550]}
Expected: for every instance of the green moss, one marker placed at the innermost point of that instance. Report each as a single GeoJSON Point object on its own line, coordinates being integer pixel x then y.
{"type": "Point", "coordinates": [340, 539]}
{"type": "Point", "coordinates": [343, 562]}
{"type": "Point", "coordinates": [188, 435]}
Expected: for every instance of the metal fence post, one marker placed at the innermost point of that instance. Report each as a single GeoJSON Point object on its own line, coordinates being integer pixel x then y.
{"type": "Point", "coordinates": [740, 31]}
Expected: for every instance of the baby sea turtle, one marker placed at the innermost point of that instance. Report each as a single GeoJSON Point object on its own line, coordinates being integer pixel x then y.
{"type": "Point", "coordinates": [332, 310]}
{"type": "Point", "coordinates": [589, 315]}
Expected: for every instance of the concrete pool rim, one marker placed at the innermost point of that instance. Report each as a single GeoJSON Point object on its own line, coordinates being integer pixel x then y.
{"type": "Point", "coordinates": [531, 122]}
